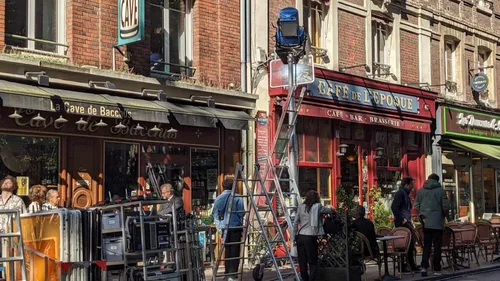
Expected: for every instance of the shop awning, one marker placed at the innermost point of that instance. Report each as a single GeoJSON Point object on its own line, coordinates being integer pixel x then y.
{"type": "Point", "coordinates": [488, 150]}
{"type": "Point", "coordinates": [232, 120]}
{"type": "Point", "coordinates": [19, 95]}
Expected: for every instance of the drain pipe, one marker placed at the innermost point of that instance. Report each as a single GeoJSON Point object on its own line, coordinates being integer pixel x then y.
{"type": "Point", "coordinates": [243, 45]}
{"type": "Point", "coordinates": [248, 41]}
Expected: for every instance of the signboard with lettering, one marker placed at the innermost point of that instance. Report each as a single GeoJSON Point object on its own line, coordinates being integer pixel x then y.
{"type": "Point", "coordinates": [471, 124]}
{"type": "Point", "coordinates": [479, 82]}
{"type": "Point", "coordinates": [370, 119]}
{"type": "Point", "coordinates": [130, 21]}
{"type": "Point", "coordinates": [337, 91]}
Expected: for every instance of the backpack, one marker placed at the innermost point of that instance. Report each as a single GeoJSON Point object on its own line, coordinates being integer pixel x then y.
{"type": "Point", "coordinates": [332, 224]}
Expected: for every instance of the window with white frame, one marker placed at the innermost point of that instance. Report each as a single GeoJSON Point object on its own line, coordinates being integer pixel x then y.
{"type": "Point", "coordinates": [35, 24]}
{"type": "Point", "coordinates": [171, 36]}
{"type": "Point", "coordinates": [314, 15]}
{"type": "Point", "coordinates": [381, 47]}
{"type": "Point", "coordinates": [451, 67]}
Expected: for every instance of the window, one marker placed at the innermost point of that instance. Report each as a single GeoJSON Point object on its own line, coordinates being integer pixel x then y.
{"type": "Point", "coordinates": [171, 36]}
{"type": "Point", "coordinates": [121, 172]}
{"type": "Point", "coordinates": [318, 179]}
{"type": "Point", "coordinates": [314, 140]}
{"type": "Point", "coordinates": [381, 46]}
{"type": "Point", "coordinates": [204, 175]}
{"type": "Point", "coordinates": [482, 60]}
{"type": "Point", "coordinates": [314, 16]}
{"type": "Point", "coordinates": [31, 160]}
{"type": "Point", "coordinates": [450, 57]}
{"type": "Point", "coordinates": [35, 24]}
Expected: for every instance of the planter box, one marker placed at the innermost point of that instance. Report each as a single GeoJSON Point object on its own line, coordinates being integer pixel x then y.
{"type": "Point", "coordinates": [326, 273]}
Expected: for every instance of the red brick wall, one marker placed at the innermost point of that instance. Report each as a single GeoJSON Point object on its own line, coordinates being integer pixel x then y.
{"type": "Point", "coordinates": [2, 23]}
{"type": "Point", "coordinates": [409, 57]}
{"type": "Point", "coordinates": [217, 41]}
{"type": "Point", "coordinates": [274, 8]}
{"type": "Point", "coordinates": [435, 64]}
{"type": "Point", "coordinates": [352, 34]}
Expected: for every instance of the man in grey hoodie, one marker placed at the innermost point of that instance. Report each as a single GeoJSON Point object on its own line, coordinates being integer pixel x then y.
{"type": "Point", "coordinates": [432, 205]}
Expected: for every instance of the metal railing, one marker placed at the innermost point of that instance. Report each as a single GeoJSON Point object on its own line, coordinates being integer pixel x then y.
{"type": "Point", "coordinates": [164, 69]}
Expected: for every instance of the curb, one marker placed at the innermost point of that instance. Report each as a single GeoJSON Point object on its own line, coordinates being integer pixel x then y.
{"type": "Point", "coordinates": [461, 273]}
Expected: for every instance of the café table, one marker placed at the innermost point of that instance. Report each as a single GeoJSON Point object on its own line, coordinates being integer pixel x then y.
{"type": "Point", "coordinates": [384, 239]}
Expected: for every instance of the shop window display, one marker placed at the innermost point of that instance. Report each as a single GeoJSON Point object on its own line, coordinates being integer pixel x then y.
{"type": "Point", "coordinates": [477, 186]}
{"type": "Point", "coordinates": [204, 175]}
{"type": "Point", "coordinates": [121, 172]}
{"type": "Point", "coordinates": [32, 160]}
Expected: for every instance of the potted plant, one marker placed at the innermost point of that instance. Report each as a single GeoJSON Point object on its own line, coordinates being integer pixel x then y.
{"type": "Point", "coordinates": [340, 254]}
{"type": "Point", "coordinates": [380, 214]}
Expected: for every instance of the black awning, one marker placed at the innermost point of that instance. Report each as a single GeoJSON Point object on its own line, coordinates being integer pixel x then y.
{"type": "Point", "coordinates": [188, 115]}
{"type": "Point", "coordinates": [232, 119]}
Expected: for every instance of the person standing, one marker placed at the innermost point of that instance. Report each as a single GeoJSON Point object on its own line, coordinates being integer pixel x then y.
{"type": "Point", "coordinates": [401, 209]}
{"type": "Point", "coordinates": [233, 236]}
{"type": "Point", "coordinates": [9, 201]}
{"type": "Point", "coordinates": [168, 193]}
{"type": "Point", "coordinates": [432, 205]}
{"type": "Point", "coordinates": [308, 226]}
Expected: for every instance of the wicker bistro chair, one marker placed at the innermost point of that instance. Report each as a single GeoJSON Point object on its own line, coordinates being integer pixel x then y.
{"type": "Point", "coordinates": [448, 248]}
{"type": "Point", "coordinates": [371, 257]}
{"type": "Point", "coordinates": [399, 248]}
{"type": "Point", "coordinates": [486, 238]}
{"type": "Point", "coordinates": [466, 242]}
{"type": "Point", "coordinates": [384, 231]}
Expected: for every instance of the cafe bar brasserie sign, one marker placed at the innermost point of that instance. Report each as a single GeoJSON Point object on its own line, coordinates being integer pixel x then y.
{"type": "Point", "coordinates": [471, 124]}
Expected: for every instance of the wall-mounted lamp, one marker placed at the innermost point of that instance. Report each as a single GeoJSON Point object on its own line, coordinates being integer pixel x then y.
{"type": "Point", "coordinates": [81, 122]}
{"type": "Point", "coordinates": [101, 124]}
{"type": "Point", "coordinates": [120, 126]}
{"type": "Point", "coordinates": [172, 130]}
{"type": "Point", "coordinates": [155, 129]}
{"type": "Point", "coordinates": [61, 120]}
{"type": "Point", "coordinates": [342, 150]}
{"type": "Point", "coordinates": [160, 95]}
{"type": "Point", "coordinates": [209, 99]}
{"type": "Point", "coordinates": [15, 115]}
{"type": "Point", "coordinates": [38, 118]}
{"type": "Point", "coordinates": [379, 151]}
{"type": "Point", "coordinates": [139, 127]}
{"type": "Point", "coordinates": [41, 77]}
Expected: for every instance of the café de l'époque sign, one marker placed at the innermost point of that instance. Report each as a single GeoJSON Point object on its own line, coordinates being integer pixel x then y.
{"type": "Point", "coordinates": [343, 92]}
{"type": "Point", "coordinates": [471, 124]}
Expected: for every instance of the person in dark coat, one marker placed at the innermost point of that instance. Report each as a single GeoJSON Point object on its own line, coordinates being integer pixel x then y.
{"type": "Point", "coordinates": [366, 227]}
{"type": "Point", "coordinates": [432, 205]}
{"type": "Point", "coordinates": [401, 209]}
{"type": "Point", "coordinates": [167, 193]}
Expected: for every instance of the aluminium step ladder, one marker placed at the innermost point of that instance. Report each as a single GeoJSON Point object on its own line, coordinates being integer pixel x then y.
{"type": "Point", "coordinates": [15, 250]}
{"type": "Point", "coordinates": [254, 211]}
{"type": "Point", "coordinates": [280, 174]}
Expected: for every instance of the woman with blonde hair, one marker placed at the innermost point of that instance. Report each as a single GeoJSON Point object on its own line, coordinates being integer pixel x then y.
{"type": "Point", "coordinates": [37, 198]}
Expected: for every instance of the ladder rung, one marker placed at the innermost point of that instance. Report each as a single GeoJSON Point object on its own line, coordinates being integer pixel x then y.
{"type": "Point", "coordinates": [12, 234]}
{"type": "Point", "coordinates": [236, 227]}
{"type": "Point", "coordinates": [239, 212]}
{"type": "Point", "coordinates": [233, 259]}
{"type": "Point", "coordinates": [10, 259]}
{"type": "Point", "coordinates": [234, 243]}
{"type": "Point", "coordinates": [282, 166]}
{"type": "Point", "coordinates": [285, 180]}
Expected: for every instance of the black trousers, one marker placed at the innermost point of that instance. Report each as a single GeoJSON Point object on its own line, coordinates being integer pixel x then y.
{"type": "Point", "coordinates": [411, 251]}
{"type": "Point", "coordinates": [307, 248]}
{"type": "Point", "coordinates": [232, 251]}
{"type": "Point", "coordinates": [432, 237]}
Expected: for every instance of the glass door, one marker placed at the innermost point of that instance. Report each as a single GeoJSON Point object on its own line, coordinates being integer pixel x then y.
{"type": "Point", "coordinates": [463, 190]}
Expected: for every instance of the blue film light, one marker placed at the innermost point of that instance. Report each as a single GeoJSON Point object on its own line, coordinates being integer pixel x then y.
{"type": "Point", "coordinates": [290, 37]}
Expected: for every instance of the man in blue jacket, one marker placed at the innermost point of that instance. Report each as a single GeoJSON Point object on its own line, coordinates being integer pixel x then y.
{"type": "Point", "coordinates": [401, 209]}
{"type": "Point", "coordinates": [220, 212]}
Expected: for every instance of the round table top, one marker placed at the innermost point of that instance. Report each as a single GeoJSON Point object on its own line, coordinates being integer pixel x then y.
{"type": "Point", "coordinates": [388, 237]}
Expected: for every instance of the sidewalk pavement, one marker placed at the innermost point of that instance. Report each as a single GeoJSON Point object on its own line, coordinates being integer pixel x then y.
{"type": "Point", "coordinates": [372, 272]}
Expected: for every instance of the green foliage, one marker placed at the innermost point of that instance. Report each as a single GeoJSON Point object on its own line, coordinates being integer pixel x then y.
{"type": "Point", "coordinates": [345, 202]}
{"type": "Point", "coordinates": [377, 209]}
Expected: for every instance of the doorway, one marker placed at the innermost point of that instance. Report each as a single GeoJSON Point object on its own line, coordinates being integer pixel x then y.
{"type": "Point", "coordinates": [354, 172]}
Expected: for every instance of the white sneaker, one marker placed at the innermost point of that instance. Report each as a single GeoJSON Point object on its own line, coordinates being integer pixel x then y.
{"type": "Point", "coordinates": [437, 274]}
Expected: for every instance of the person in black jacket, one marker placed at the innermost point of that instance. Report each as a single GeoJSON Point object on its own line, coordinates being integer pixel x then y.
{"type": "Point", "coordinates": [401, 209]}
{"type": "Point", "coordinates": [168, 193]}
{"type": "Point", "coordinates": [366, 227]}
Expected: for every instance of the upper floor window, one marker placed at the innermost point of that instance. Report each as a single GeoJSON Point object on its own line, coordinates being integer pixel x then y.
{"type": "Point", "coordinates": [381, 47]}
{"type": "Point", "coordinates": [171, 37]}
{"type": "Point", "coordinates": [314, 21]}
{"type": "Point", "coordinates": [35, 24]}
{"type": "Point", "coordinates": [483, 56]}
{"type": "Point", "coordinates": [451, 69]}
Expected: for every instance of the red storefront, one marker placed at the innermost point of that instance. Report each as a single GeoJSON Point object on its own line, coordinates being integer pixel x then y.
{"type": "Point", "coordinates": [358, 133]}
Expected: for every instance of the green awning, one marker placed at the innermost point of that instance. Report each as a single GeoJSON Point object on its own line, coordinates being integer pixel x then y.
{"type": "Point", "coordinates": [488, 150]}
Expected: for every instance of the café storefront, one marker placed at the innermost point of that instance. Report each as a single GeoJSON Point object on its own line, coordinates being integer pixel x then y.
{"type": "Point", "coordinates": [360, 133]}
{"type": "Point", "coordinates": [93, 147]}
{"type": "Point", "coordinates": [466, 153]}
